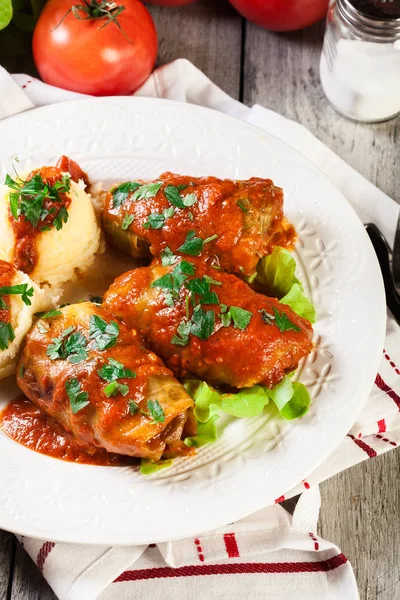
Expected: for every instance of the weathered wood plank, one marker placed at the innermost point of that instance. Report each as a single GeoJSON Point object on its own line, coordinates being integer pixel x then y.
{"type": "Point", "coordinates": [207, 33]}
{"type": "Point", "coordinates": [28, 583]}
{"type": "Point", "coordinates": [281, 72]}
{"type": "Point", "coordinates": [7, 553]}
{"type": "Point", "coordinates": [361, 514]}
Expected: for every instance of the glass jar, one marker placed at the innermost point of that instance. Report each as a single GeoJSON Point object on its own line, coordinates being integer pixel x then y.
{"type": "Point", "coordinates": [360, 60]}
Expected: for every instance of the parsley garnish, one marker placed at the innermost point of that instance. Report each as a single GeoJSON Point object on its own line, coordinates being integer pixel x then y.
{"type": "Point", "coordinates": [28, 198]}
{"type": "Point", "coordinates": [203, 323]}
{"type": "Point", "coordinates": [105, 334]}
{"type": "Point", "coordinates": [42, 328]}
{"type": "Point", "coordinates": [242, 206]}
{"type": "Point", "coordinates": [171, 283]}
{"type": "Point", "coordinates": [127, 221]}
{"type": "Point", "coordinates": [155, 411]}
{"type": "Point", "coordinates": [267, 317]}
{"type": "Point", "coordinates": [194, 245]}
{"type": "Point", "coordinates": [157, 220]}
{"type": "Point", "coordinates": [7, 335]}
{"type": "Point", "coordinates": [133, 407]}
{"type": "Point", "coordinates": [111, 372]}
{"type": "Point", "coordinates": [240, 317]}
{"type": "Point", "coordinates": [201, 287]}
{"type": "Point", "coordinates": [283, 322]}
{"type": "Point", "coordinates": [168, 257]}
{"type": "Point", "coordinates": [71, 346]}
{"type": "Point", "coordinates": [48, 315]}
{"type": "Point", "coordinates": [121, 192]}
{"type": "Point", "coordinates": [77, 398]}
{"type": "Point", "coordinates": [148, 190]}
{"type": "Point", "coordinates": [13, 290]}
{"type": "Point", "coordinates": [173, 196]}
{"type": "Point", "coordinates": [181, 338]}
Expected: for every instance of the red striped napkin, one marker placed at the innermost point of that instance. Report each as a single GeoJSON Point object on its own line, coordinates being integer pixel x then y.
{"type": "Point", "coordinates": [269, 553]}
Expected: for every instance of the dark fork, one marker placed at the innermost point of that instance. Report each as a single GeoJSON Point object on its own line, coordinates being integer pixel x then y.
{"type": "Point", "coordinates": [384, 255]}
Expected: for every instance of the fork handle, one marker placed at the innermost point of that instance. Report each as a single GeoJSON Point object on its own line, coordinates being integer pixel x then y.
{"type": "Point", "coordinates": [382, 253]}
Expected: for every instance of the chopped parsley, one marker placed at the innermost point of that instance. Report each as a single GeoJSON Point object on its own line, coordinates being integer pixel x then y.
{"type": "Point", "coordinates": [111, 372]}
{"type": "Point", "coordinates": [28, 199]}
{"type": "Point", "coordinates": [7, 335]}
{"type": "Point", "coordinates": [48, 315]}
{"type": "Point", "coordinates": [42, 327]}
{"type": "Point", "coordinates": [71, 346]}
{"type": "Point", "coordinates": [203, 323]}
{"type": "Point", "coordinates": [242, 206]}
{"type": "Point", "coordinates": [155, 411]}
{"type": "Point", "coordinates": [22, 289]}
{"type": "Point", "coordinates": [127, 221]}
{"type": "Point", "coordinates": [148, 190]}
{"type": "Point", "coordinates": [172, 193]}
{"type": "Point", "coordinates": [157, 220]}
{"type": "Point", "coordinates": [281, 320]}
{"type": "Point", "coordinates": [114, 388]}
{"type": "Point", "coordinates": [77, 398]}
{"type": "Point", "coordinates": [168, 257]}
{"type": "Point", "coordinates": [104, 334]}
{"type": "Point", "coordinates": [194, 245]}
{"type": "Point", "coordinates": [181, 338]}
{"type": "Point", "coordinates": [240, 317]}
{"type": "Point", "coordinates": [132, 407]}
{"type": "Point", "coordinates": [121, 192]}
{"type": "Point", "coordinates": [201, 287]}
{"type": "Point", "coordinates": [172, 282]}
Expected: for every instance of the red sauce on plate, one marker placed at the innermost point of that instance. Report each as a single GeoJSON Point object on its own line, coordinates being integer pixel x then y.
{"type": "Point", "coordinates": [23, 422]}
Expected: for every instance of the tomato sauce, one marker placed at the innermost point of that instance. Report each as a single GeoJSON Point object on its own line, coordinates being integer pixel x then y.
{"type": "Point", "coordinates": [26, 424]}
{"type": "Point", "coordinates": [26, 253]}
{"type": "Point", "coordinates": [7, 273]}
{"type": "Point", "coordinates": [244, 220]}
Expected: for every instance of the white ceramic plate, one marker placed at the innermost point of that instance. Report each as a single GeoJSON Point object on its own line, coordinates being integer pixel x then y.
{"type": "Point", "coordinates": [257, 459]}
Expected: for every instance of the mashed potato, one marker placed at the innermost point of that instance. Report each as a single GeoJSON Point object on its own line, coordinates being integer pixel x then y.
{"type": "Point", "coordinates": [61, 253]}
{"type": "Point", "coordinates": [21, 319]}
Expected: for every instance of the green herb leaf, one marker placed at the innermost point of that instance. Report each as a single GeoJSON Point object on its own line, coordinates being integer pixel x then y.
{"type": "Point", "coordinates": [202, 323]}
{"type": "Point", "coordinates": [77, 398]}
{"type": "Point", "coordinates": [105, 334]}
{"type": "Point", "coordinates": [115, 370]}
{"type": "Point", "coordinates": [168, 257]}
{"type": "Point", "coordinates": [192, 245]}
{"type": "Point", "coordinates": [211, 280]}
{"type": "Point", "coordinates": [148, 190]}
{"type": "Point", "coordinates": [48, 315]}
{"type": "Point", "coordinates": [133, 407]}
{"type": "Point", "coordinates": [114, 388]}
{"type": "Point", "coordinates": [127, 221]}
{"type": "Point", "coordinates": [226, 319]}
{"type": "Point", "coordinates": [154, 221]}
{"type": "Point", "coordinates": [182, 334]}
{"type": "Point", "coordinates": [283, 322]}
{"type": "Point", "coordinates": [42, 328]}
{"type": "Point", "coordinates": [7, 335]}
{"type": "Point", "coordinates": [267, 317]}
{"type": "Point", "coordinates": [173, 196]}
{"type": "Point", "coordinates": [61, 218]}
{"type": "Point", "coordinates": [189, 200]}
{"type": "Point", "coordinates": [242, 206]}
{"type": "Point", "coordinates": [156, 411]}
{"type": "Point", "coordinates": [240, 316]}
{"type": "Point", "coordinates": [71, 346]}
{"type": "Point", "coordinates": [121, 192]}
{"type": "Point", "coordinates": [22, 289]}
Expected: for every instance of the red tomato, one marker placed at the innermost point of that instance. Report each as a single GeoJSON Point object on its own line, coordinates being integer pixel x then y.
{"type": "Point", "coordinates": [170, 2]}
{"type": "Point", "coordinates": [282, 15]}
{"type": "Point", "coordinates": [93, 55]}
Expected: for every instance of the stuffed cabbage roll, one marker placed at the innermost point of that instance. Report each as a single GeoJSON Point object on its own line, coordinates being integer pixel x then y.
{"type": "Point", "coordinates": [207, 323]}
{"type": "Point", "coordinates": [93, 375]}
{"type": "Point", "coordinates": [230, 223]}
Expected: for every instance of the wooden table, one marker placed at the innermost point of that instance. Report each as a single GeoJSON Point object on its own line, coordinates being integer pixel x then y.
{"type": "Point", "coordinates": [360, 507]}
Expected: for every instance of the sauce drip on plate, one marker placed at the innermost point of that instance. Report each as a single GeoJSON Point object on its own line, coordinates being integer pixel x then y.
{"type": "Point", "coordinates": [26, 424]}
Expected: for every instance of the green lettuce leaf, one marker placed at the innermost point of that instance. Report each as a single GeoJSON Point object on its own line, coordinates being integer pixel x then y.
{"type": "Point", "coordinates": [246, 403]}
{"type": "Point", "coordinates": [299, 303]}
{"type": "Point", "coordinates": [207, 400]}
{"type": "Point", "coordinates": [206, 433]}
{"type": "Point", "coordinates": [276, 273]}
{"type": "Point", "coordinates": [291, 398]}
{"type": "Point", "coordinates": [148, 467]}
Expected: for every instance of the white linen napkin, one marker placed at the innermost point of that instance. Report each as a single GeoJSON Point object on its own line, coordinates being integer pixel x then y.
{"type": "Point", "coordinates": [269, 552]}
